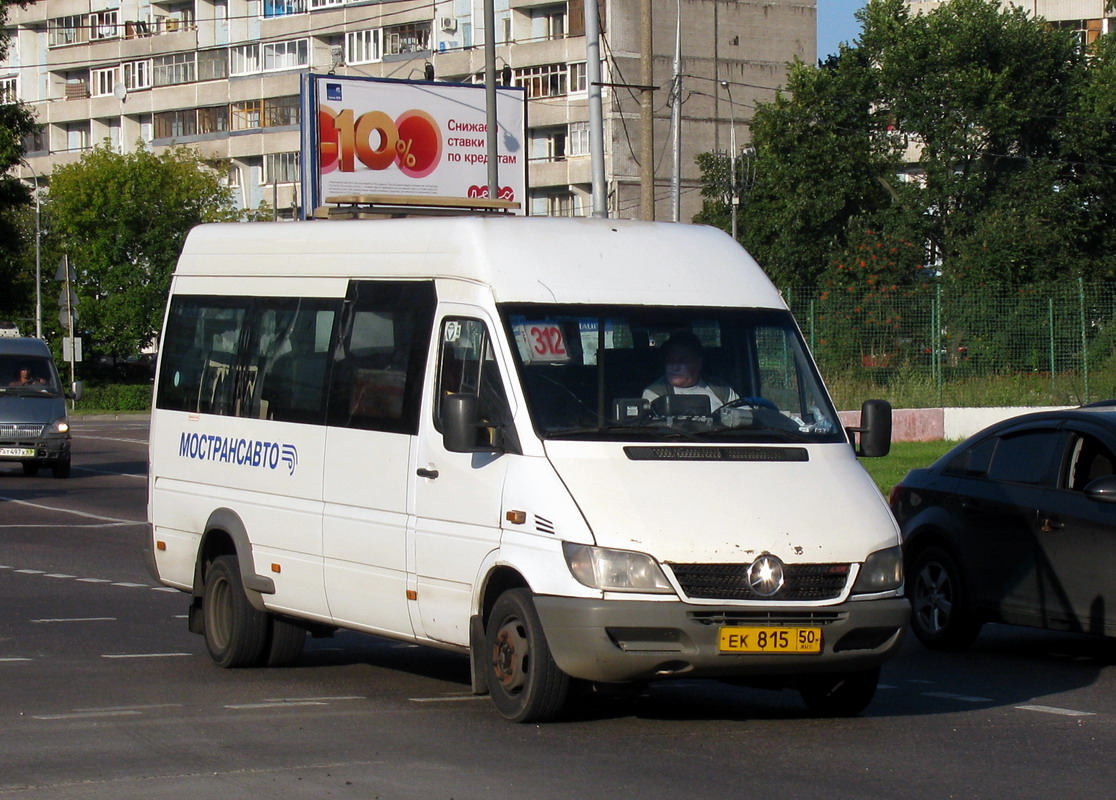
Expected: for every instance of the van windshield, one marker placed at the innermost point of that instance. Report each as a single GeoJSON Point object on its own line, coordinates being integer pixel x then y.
{"type": "Point", "coordinates": [28, 375]}
{"type": "Point", "coordinates": [634, 373]}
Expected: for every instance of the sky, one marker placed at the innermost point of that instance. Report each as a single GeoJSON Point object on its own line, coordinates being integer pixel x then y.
{"type": "Point", "coordinates": [837, 24]}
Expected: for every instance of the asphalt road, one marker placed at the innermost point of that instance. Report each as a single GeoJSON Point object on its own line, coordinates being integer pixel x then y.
{"type": "Point", "coordinates": [104, 694]}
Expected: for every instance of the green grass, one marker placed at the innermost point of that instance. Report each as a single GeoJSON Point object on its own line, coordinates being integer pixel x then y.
{"type": "Point", "coordinates": [904, 456]}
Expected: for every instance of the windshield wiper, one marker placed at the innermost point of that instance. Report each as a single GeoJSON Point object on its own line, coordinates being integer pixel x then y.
{"type": "Point", "coordinates": [781, 434]}
{"type": "Point", "coordinates": [657, 431]}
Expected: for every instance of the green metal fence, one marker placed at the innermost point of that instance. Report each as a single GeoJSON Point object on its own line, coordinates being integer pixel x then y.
{"type": "Point", "coordinates": [931, 346]}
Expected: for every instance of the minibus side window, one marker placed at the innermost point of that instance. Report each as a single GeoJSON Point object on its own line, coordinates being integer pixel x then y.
{"type": "Point", "coordinates": [200, 346]}
{"type": "Point", "coordinates": [381, 355]}
{"type": "Point", "coordinates": [286, 360]}
{"type": "Point", "coordinates": [468, 365]}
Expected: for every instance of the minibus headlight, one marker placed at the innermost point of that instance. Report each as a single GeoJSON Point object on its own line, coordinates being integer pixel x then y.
{"type": "Point", "coordinates": [59, 426]}
{"type": "Point", "coordinates": [615, 570]}
{"type": "Point", "coordinates": [882, 571]}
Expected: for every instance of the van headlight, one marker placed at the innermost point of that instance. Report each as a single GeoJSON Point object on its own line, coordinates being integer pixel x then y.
{"type": "Point", "coordinates": [59, 426]}
{"type": "Point", "coordinates": [615, 570]}
{"type": "Point", "coordinates": [882, 571]}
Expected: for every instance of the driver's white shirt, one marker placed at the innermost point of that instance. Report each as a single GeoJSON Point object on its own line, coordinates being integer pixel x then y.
{"type": "Point", "coordinates": [699, 388]}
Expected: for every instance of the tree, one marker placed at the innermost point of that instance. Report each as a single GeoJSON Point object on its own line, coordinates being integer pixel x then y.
{"type": "Point", "coordinates": [122, 219]}
{"type": "Point", "coordinates": [16, 122]}
{"type": "Point", "coordinates": [976, 131]}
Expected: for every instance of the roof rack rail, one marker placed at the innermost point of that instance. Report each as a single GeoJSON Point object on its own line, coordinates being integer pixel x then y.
{"type": "Point", "coordinates": [386, 206]}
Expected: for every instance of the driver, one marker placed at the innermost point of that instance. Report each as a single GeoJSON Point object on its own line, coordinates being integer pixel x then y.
{"type": "Point", "coordinates": [682, 360]}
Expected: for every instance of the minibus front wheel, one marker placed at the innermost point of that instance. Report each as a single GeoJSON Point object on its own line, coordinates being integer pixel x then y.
{"type": "Point", "coordinates": [525, 683]}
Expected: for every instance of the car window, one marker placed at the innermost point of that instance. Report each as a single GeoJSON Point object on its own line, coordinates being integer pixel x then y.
{"type": "Point", "coordinates": [1089, 460]}
{"type": "Point", "coordinates": [1024, 457]}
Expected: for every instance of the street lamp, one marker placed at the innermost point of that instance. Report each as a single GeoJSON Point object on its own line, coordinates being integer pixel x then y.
{"type": "Point", "coordinates": [734, 197]}
{"type": "Point", "coordinates": [38, 261]}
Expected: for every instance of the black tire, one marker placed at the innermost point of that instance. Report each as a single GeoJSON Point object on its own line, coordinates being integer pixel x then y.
{"type": "Point", "coordinates": [525, 683]}
{"type": "Point", "coordinates": [61, 468]}
{"type": "Point", "coordinates": [941, 612]}
{"type": "Point", "coordinates": [840, 695]}
{"type": "Point", "coordinates": [285, 643]}
{"type": "Point", "coordinates": [236, 634]}
{"type": "Point", "coordinates": [30, 469]}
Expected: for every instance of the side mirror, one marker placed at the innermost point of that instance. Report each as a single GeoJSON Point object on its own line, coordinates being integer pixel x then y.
{"type": "Point", "coordinates": [77, 391]}
{"type": "Point", "coordinates": [460, 423]}
{"type": "Point", "coordinates": [874, 430]}
{"type": "Point", "coordinates": [1102, 489]}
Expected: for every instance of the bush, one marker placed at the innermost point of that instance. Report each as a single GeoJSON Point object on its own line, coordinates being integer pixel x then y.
{"type": "Point", "coordinates": [115, 397]}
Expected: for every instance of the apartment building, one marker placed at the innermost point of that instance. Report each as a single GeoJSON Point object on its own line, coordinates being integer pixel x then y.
{"type": "Point", "coordinates": [223, 76]}
{"type": "Point", "coordinates": [1087, 18]}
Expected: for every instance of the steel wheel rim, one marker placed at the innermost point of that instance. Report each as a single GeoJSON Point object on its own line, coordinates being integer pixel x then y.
{"type": "Point", "coordinates": [511, 656]}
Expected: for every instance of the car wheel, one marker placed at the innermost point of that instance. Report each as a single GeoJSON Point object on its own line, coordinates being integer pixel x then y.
{"type": "Point", "coordinates": [840, 695]}
{"type": "Point", "coordinates": [30, 468]}
{"type": "Point", "coordinates": [941, 613]}
{"type": "Point", "coordinates": [235, 632]}
{"type": "Point", "coordinates": [61, 468]}
{"type": "Point", "coordinates": [525, 683]}
{"type": "Point", "coordinates": [285, 643]}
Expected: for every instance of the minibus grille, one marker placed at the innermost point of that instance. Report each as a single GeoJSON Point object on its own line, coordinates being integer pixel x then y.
{"type": "Point", "coordinates": [21, 430]}
{"type": "Point", "coordinates": [802, 582]}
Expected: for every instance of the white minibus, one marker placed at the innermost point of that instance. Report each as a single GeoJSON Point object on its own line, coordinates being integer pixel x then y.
{"type": "Point", "coordinates": [585, 450]}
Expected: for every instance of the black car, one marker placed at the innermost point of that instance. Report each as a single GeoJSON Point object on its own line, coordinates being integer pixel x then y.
{"type": "Point", "coordinates": [1017, 525]}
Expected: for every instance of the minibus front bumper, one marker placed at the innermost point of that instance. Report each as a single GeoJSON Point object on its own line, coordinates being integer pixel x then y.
{"type": "Point", "coordinates": [630, 640]}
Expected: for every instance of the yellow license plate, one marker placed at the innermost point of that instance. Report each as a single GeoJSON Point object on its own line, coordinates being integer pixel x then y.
{"type": "Point", "coordinates": [770, 639]}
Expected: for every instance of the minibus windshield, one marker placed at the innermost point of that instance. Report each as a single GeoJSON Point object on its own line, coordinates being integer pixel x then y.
{"type": "Point", "coordinates": [638, 373]}
{"type": "Point", "coordinates": [27, 375]}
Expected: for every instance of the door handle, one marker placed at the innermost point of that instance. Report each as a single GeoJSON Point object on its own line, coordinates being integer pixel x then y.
{"type": "Point", "coordinates": [1051, 524]}
{"type": "Point", "coordinates": [423, 472]}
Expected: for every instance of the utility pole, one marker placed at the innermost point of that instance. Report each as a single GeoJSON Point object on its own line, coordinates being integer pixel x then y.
{"type": "Point", "coordinates": [646, 116]}
{"type": "Point", "coordinates": [596, 113]}
{"type": "Point", "coordinates": [734, 195]}
{"type": "Point", "coordinates": [490, 98]}
{"type": "Point", "coordinates": [676, 121]}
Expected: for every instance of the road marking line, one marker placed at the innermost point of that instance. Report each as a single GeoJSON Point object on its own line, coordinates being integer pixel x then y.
{"type": "Point", "coordinates": [453, 699]}
{"type": "Point", "coordinates": [86, 714]}
{"type": "Point", "coordinates": [1065, 712]}
{"type": "Point", "coordinates": [165, 589]}
{"type": "Point", "coordinates": [291, 704]}
{"type": "Point", "coordinates": [77, 619]}
{"type": "Point", "coordinates": [114, 439]}
{"type": "Point", "coordinates": [58, 575]}
{"type": "Point", "coordinates": [145, 655]}
{"type": "Point", "coordinates": [313, 699]}
{"type": "Point", "coordinates": [127, 585]}
{"type": "Point", "coordinates": [94, 580]}
{"type": "Point", "coordinates": [963, 698]}
{"type": "Point", "coordinates": [12, 660]}
{"type": "Point", "coordinates": [110, 472]}
{"type": "Point", "coordinates": [31, 571]}
{"type": "Point", "coordinates": [128, 708]}
{"type": "Point", "coordinates": [71, 511]}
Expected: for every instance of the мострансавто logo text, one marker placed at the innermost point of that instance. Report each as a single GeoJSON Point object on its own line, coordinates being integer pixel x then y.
{"type": "Point", "coordinates": [239, 451]}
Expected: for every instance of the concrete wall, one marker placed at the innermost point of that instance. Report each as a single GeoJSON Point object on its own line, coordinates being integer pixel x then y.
{"type": "Point", "coordinates": [931, 424]}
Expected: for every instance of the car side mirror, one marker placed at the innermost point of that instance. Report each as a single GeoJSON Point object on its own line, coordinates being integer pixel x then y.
{"type": "Point", "coordinates": [874, 430]}
{"type": "Point", "coordinates": [1102, 489]}
{"type": "Point", "coordinates": [460, 423]}
{"type": "Point", "coordinates": [77, 390]}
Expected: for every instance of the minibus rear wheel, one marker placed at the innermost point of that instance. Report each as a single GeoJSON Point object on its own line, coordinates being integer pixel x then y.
{"type": "Point", "coordinates": [525, 683]}
{"type": "Point", "coordinates": [235, 632]}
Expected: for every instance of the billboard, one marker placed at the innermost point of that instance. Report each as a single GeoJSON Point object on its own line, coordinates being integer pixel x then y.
{"type": "Point", "coordinates": [378, 136]}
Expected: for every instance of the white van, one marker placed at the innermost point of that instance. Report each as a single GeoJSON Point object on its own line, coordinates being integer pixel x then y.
{"type": "Point", "coordinates": [459, 432]}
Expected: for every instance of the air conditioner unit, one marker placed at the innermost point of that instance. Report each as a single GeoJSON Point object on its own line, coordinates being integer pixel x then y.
{"type": "Point", "coordinates": [172, 24]}
{"type": "Point", "coordinates": [447, 24]}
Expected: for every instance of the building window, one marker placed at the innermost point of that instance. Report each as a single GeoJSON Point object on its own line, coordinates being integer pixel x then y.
{"type": "Point", "coordinates": [214, 119]}
{"type": "Point", "coordinates": [283, 8]}
{"type": "Point", "coordinates": [548, 80]}
{"type": "Point", "coordinates": [77, 87]}
{"type": "Point", "coordinates": [36, 141]}
{"type": "Point", "coordinates": [579, 138]}
{"type": "Point", "coordinates": [362, 47]}
{"type": "Point", "coordinates": [285, 55]}
{"type": "Point", "coordinates": [549, 22]}
{"type": "Point", "coordinates": [63, 31]}
{"type": "Point", "coordinates": [316, 4]}
{"type": "Point", "coordinates": [231, 176]}
{"type": "Point", "coordinates": [9, 89]}
{"type": "Point", "coordinates": [244, 60]}
{"type": "Point", "coordinates": [280, 111]}
{"type": "Point", "coordinates": [77, 136]}
{"type": "Point", "coordinates": [578, 80]}
{"type": "Point", "coordinates": [549, 144]}
{"type": "Point", "coordinates": [137, 74]}
{"type": "Point", "coordinates": [280, 168]}
{"type": "Point", "coordinates": [172, 69]}
{"type": "Point", "coordinates": [102, 25]}
{"type": "Point", "coordinates": [410, 38]}
{"type": "Point", "coordinates": [213, 65]}
{"type": "Point", "coordinates": [246, 115]}
{"type": "Point", "coordinates": [176, 124]}
{"type": "Point", "coordinates": [102, 80]}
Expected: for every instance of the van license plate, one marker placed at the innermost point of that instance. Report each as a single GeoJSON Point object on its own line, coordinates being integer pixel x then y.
{"type": "Point", "coordinates": [18, 452]}
{"type": "Point", "coordinates": [770, 639]}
